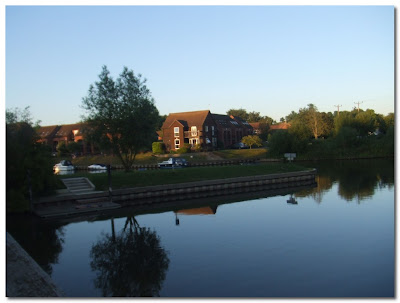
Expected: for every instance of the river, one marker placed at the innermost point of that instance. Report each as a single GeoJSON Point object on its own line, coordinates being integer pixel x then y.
{"type": "Point", "coordinates": [333, 240]}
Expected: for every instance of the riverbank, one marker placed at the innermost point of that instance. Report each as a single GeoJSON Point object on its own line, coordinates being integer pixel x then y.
{"type": "Point", "coordinates": [69, 204]}
{"type": "Point", "coordinates": [212, 171]}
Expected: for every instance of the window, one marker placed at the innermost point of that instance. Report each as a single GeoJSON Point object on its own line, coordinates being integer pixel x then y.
{"type": "Point", "coordinates": [206, 128]}
{"type": "Point", "coordinates": [177, 143]}
{"type": "Point", "coordinates": [176, 131]}
{"type": "Point", "coordinates": [194, 131]}
{"type": "Point", "coordinates": [212, 130]}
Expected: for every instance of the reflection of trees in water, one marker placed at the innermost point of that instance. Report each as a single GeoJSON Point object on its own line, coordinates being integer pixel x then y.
{"type": "Point", "coordinates": [356, 179]}
{"type": "Point", "coordinates": [324, 184]}
{"type": "Point", "coordinates": [131, 263]}
{"type": "Point", "coordinates": [44, 242]}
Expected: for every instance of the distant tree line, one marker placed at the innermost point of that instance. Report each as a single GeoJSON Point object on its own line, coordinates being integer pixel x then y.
{"type": "Point", "coordinates": [347, 133]}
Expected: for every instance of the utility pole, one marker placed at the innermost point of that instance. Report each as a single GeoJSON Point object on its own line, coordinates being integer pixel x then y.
{"type": "Point", "coordinates": [338, 109]}
{"type": "Point", "coordinates": [358, 105]}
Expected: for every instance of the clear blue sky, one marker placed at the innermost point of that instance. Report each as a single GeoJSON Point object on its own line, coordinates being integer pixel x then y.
{"type": "Point", "coordinates": [269, 59]}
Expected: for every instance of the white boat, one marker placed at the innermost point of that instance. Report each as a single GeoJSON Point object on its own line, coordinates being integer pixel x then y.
{"type": "Point", "coordinates": [97, 167]}
{"type": "Point", "coordinates": [63, 166]}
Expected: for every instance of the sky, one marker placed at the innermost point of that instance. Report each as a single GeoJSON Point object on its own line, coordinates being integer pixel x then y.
{"type": "Point", "coordinates": [268, 59]}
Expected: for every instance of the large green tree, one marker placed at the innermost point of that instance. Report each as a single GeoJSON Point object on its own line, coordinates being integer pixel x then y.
{"type": "Point", "coordinates": [121, 115]}
{"type": "Point", "coordinates": [28, 163]}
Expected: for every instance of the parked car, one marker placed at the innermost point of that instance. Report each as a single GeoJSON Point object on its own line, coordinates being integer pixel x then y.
{"type": "Point", "coordinates": [173, 162]}
{"type": "Point", "coordinates": [239, 145]}
{"type": "Point", "coordinates": [97, 166]}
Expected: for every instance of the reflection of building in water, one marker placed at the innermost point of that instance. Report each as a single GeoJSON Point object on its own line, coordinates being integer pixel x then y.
{"type": "Point", "coordinates": [206, 210]}
{"type": "Point", "coordinates": [291, 200]}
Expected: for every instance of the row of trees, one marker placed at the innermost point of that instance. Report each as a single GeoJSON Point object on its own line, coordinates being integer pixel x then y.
{"type": "Point", "coordinates": [355, 130]}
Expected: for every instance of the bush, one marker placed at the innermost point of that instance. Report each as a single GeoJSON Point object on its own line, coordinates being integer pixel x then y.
{"type": "Point", "coordinates": [158, 148]}
{"type": "Point", "coordinates": [198, 148]}
{"type": "Point", "coordinates": [346, 137]}
{"type": "Point", "coordinates": [16, 201]}
{"type": "Point", "coordinates": [184, 149]}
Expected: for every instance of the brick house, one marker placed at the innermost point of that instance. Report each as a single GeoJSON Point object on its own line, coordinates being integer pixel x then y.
{"type": "Point", "coordinates": [47, 133]}
{"type": "Point", "coordinates": [52, 135]}
{"type": "Point", "coordinates": [194, 128]}
{"type": "Point", "coordinates": [203, 127]}
{"type": "Point", "coordinates": [231, 129]}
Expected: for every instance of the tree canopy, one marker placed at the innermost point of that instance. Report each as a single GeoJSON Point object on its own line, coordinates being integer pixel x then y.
{"type": "Point", "coordinates": [28, 162]}
{"type": "Point", "coordinates": [121, 115]}
{"type": "Point", "coordinates": [250, 116]}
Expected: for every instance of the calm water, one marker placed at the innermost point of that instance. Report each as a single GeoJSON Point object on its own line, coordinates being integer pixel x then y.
{"type": "Point", "coordinates": [337, 241]}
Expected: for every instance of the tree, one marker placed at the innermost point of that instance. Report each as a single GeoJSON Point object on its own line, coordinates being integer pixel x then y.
{"type": "Point", "coordinates": [252, 140]}
{"type": "Point", "coordinates": [121, 115]}
{"type": "Point", "coordinates": [253, 117]}
{"type": "Point", "coordinates": [241, 113]}
{"type": "Point", "coordinates": [28, 162]}
{"type": "Point", "coordinates": [290, 117]}
{"type": "Point", "coordinates": [62, 149]}
{"type": "Point", "coordinates": [366, 122]}
{"type": "Point", "coordinates": [309, 119]}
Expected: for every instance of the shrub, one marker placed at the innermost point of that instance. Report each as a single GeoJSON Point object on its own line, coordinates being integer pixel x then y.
{"type": "Point", "coordinates": [184, 149]}
{"type": "Point", "coordinates": [158, 148]}
{"type": "Point", "coordinates": [198, 148]}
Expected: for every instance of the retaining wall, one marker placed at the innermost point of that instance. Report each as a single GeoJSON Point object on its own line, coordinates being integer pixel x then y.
{"type": "Point", "coordinates": [25, 278]}
{"type": "Point", "coordinates": [172, 192]}
{"type": "Point", "coordinates": [190, 190]}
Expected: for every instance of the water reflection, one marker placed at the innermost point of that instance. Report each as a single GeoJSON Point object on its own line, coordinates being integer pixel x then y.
{"type": "Point", "coordinates": [131, 263]}
{"type": "Point", "coordinates": [357, 179]}
{"type": "Point", "coordinates": [33, 235]}
{"type": "Point", "coordinates": [291, 200]}
{"type": "Point", "coordinates": [206, 210]}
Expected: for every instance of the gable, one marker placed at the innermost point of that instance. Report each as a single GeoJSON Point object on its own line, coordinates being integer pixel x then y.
{"type": "Point", "coordinates": [187, 119]}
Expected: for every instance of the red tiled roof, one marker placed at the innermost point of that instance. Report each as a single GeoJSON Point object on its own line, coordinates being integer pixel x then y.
{"type": "Point", "coordinates": [282, 125]}
{"type": "Point", "coordinates": [195, 118]}
{"type": "Point", "coordinates": [45, 131]}
{"type": "Point", "coordinates": [66, 129]}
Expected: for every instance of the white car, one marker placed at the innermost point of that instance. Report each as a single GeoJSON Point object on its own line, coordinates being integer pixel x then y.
{"type": "Point", "coordinates": [173, 162]}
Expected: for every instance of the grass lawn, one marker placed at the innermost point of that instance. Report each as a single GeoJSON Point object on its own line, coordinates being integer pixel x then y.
{"type": "Point", "coordinates": [122, 179]}
{"type": "Point", "coordinates": [242, 153]}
